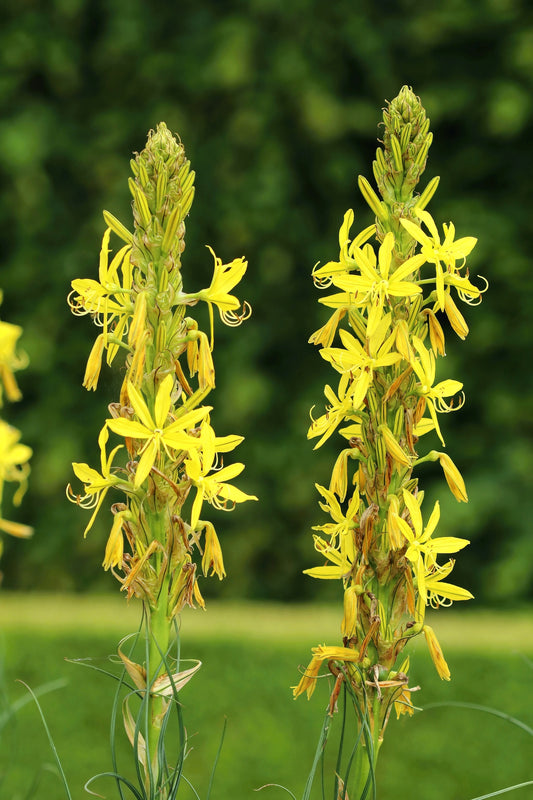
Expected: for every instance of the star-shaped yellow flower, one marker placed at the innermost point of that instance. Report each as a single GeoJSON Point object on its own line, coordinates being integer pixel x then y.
{"type": "Point", "coordinates": [439, 253]}
{"type": "Point", "coordinates": [422, 549]}
{"type": "Point", "coordinates": [155, 430]}
{"type": "Point", "coordinates": [375, 285]}
{"type": "Point", "coordinates": [214, 488]}
{"type": "Point", "coordinates": [361, 363]}
{"type": "Point", "coordinates": [424, 368]}
{"type": "Point", "coordinates": [96, 484]}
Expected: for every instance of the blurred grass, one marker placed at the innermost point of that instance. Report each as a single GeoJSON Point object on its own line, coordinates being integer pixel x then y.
{"type": "Point", "coordinates": [251, 653]}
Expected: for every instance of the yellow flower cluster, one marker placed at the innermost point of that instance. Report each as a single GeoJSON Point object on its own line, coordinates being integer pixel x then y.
{"type": "Point", "coordinates": [168, 448]}
{"type": "Point", "coordinates": [14, 456]}
{"type": "Point", "coordinates": [388, 397]}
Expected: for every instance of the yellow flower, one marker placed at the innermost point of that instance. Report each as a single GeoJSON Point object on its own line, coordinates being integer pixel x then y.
{"type": "Point", "coordinates": [422, 549]}
{"type": "Point", "coordinates": [108, 300]}
{"type": "Point", "coordinates": [155, 430]}
{"type": "Point", "coordinates": [354, 359]}
{"type": "Point", "coordinates": [214, 488]}
{"type": "Point", "coordinates": [436, 252]}
{"type": "Point", "coordinates": [342, 561]}
{"type": "Point", "coordinates": [374, 285]}
{"type": "Point", "coordinates": [434, 395]}
{"type": "Point", "coordinates": [441, 593]}
{"type": "Point", "coordinates": [9, 361]}
{"type": "Point", "coordinates": [17, 529]}
{"type": "Point", "coordinates": [225, 278]}
{"type": "Point", "coordinates": [96, 484]}
{"type": "Point", "coordinates": [338, 409]}
{"type": "Point", "coordinates": [343, 525]}
{"type": "Point", "coordinates": [14, 458]}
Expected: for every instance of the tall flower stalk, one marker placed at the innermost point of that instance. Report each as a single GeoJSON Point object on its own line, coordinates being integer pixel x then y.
{"type": "Point", "coordinates": [14, 456]}
{"type": "Point", "coordinates": [168, 463]}
{"type": "Point", "coordinates": [388, 301]}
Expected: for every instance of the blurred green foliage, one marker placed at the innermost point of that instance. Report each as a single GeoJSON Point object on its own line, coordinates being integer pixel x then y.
{"type": "Point", "coordinates": [278, 106]}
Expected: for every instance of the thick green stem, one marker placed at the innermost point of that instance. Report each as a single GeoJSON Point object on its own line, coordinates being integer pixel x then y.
{"type": "Point", "coordinates": [158, 631]}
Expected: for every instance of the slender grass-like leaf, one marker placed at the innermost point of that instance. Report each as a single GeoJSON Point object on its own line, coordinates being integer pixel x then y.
{"type": "Point", "coordinates": [476, 707]}
{"type": "Point", "coordinates": [503, 791]}
{"type": "Point", "coordinates": [215, 763]}
{"type": "Point", "coordinates": [50, 741]}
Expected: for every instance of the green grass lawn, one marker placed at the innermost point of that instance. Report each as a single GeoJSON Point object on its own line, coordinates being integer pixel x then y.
{"type": "Point", "coordinates": [251, 654]}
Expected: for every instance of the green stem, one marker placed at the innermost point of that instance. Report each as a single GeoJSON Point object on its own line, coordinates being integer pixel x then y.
{"type": "Point", "coordinates": [158, 631]}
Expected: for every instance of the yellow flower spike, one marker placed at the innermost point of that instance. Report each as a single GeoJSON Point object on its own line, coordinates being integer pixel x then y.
{"type": "Point", "coordinates": [455, 318]}
{"type": "Point", "coordinates": [436, 653]}
{"type": "Point", "coordinates": [212, 558]}
{"type": "Point", "coordinates": [154, 430]}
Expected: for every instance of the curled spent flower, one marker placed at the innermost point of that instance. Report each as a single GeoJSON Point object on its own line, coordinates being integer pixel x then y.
{"type": "Point", "coordinates": [344, 655]}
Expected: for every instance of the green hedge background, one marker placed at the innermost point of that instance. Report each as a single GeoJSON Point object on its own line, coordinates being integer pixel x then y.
{"type": "Point", "coordinates": [278, 105]}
